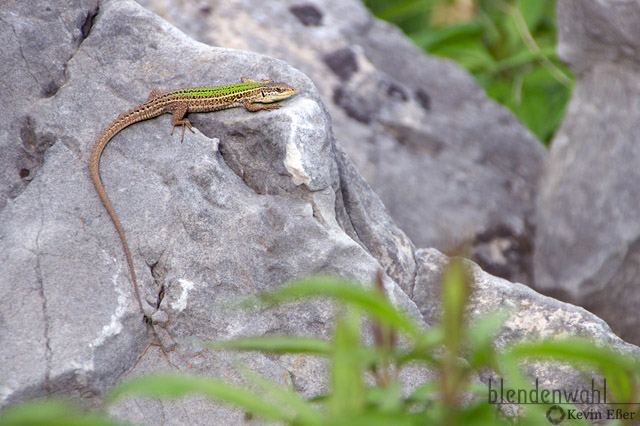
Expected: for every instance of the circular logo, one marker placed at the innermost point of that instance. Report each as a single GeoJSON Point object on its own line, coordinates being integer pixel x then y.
{"type": "Point", "coordinates": [555, 414]}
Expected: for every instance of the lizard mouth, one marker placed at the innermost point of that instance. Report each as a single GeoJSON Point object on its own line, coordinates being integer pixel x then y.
{"type": "Point", "coordinates": [278, 92]}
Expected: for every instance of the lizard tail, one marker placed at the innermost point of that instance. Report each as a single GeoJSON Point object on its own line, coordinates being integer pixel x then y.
{"type": "Point", "coordinates": [101, 142]}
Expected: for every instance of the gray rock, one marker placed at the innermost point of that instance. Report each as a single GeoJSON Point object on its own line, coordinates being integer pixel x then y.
{"type": "Point", "coordinates": [529, 316]}
{"type": "Point", "coordinates": [586, 249]}
{"type": "Point", "coordinates": [598, 31]}
{"type": "Point", "coordinates": [244, 204]}
{"type": "Point", "coordinates": [33, 68]}
{"type": "Point", "coordinates": [451, 166]}
{"type": "Point", "coordinates": [247, 202]}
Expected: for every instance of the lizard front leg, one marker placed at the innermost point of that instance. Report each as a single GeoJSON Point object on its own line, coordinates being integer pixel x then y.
{"type": "Point", "coordinates": [253, 107]}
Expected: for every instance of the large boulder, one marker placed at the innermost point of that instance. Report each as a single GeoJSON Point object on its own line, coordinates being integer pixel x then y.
{"type": "Point", "coordinates": [247, 202]}
{"type": "Point", "coordinates": [244, 204]}
{"type": "Point", "coordinates": [529, 316]}
{"type": "Point", "coordinates": [586, 249]}
{"type": "Point", "coordinates": [452, 166]}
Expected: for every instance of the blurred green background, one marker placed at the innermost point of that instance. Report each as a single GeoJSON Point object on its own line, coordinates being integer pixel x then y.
{"type": "Point", "coordinates": [508, 45]}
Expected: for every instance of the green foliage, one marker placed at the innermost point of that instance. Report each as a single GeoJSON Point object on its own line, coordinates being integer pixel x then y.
{"type": "Point", "coordinates": [364, 381]}
{"type": "Point", "coordinates": [508, 45]}
{"type": "Point", "coordinates": [179, 385]}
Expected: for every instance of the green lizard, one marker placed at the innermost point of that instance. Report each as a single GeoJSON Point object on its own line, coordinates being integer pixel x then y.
{"type": "Point", "coordinates": [252, 95]}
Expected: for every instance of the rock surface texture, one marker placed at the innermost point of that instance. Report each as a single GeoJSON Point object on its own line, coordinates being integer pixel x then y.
{"type": "Point", "coordinates": [451, 166]}
{"type": "Point", "coordinates": [244, 204]}
{"type": "Point", "coordinates": [247, 202]}
{"type": "Point", "coordinates": [587, 247]}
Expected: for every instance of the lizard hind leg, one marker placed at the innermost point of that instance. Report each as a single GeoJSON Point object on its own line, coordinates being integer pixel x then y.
{"type": "Point", "coordinates": [177, 119]}
{"type": "Point", "coordinates": [154, 94]}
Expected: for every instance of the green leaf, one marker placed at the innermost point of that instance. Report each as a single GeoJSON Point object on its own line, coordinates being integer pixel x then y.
{"type": "Point", "coordinates": [424, 392]}
{"type": "Point", "coordinates": [387, 399]}
{"type": "Point", "coordinates": [481, 414]}
{"type": "Point", "coordinates": [275, 344]}
{"type": "Point", "coordinates": [380, 419]}
{"type": "Point", "coordinates": [524, 57]}
{"type": "Point", "coordinates": [430, 39]}
{"type": "Point", "coordinates": [455, 293]}
{"type": "Point", "coordinates": [504, 41]}
{"type": "Point", "coordinates": [529, 415]}
{"type": "Point", "coordinates": [492, 34]}
{"type": "Point", "coordinates": [532, 11]}
{"type": "Point", "coordinates": [401, 9]}
{"type": "Point", "coordinates": [512, 36]}
{"type": "Point", "coordinates": [51, 413]}
{"type": "Point", "coordinates": [177, 386]}
{"type": "Point", "coordinates": [303, 414]}
{"type": "Point", "coordinates": [499, 90]}
{"type": "Point", "coordinates": [576, 350]}
{"type": "Point", "coordinates": [456, 290]}
{"type": "Point", "coordinates": [469, 53]}
{"type": "Point", "coordinates": [424, 349]}
{"type": "Point", "coordinates": [543, 102]}
{"type": "Point", "coordinates": [477, 388]}
{"type": "Point", "coordinates": [616, 367]}
{"type": "Point", "coordinates": [371, 301]}
{"type": "Point", "coordinates": [347, 368]}
{"type": "Point", "coordinates": [530, 110]}
{"type": "Point", "coordinates": [481, 337]}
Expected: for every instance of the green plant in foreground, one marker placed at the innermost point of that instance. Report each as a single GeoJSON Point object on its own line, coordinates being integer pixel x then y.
{"type": "Point", "coordinates": [365, 387]}
{"type": "Point", "coordinates": [508, 45]}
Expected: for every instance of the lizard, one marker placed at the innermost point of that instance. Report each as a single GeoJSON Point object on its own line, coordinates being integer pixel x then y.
{"type": "Point", "coordinates": [252, 95]}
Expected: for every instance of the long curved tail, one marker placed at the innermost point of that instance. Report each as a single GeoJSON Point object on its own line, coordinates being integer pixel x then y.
{"type": "Point", "coordinates": [132, 116]}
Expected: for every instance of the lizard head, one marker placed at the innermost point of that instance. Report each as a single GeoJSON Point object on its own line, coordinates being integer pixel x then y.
{"type": "Point", "coordinates": [274, 92]}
